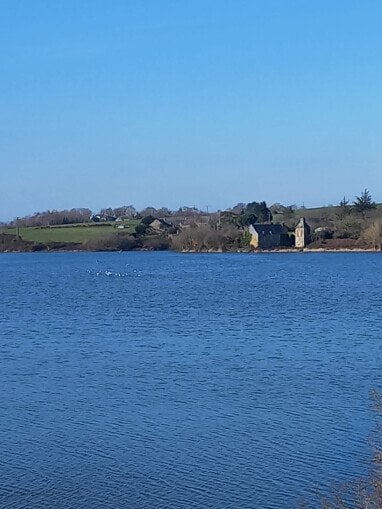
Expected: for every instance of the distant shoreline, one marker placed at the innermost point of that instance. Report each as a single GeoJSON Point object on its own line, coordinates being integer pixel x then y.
{"type": "Point", "coordinates": [253, 252]}
{"type": "Point", "coordinates": [16, 244]}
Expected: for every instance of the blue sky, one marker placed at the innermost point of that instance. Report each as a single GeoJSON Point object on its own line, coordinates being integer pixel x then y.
{"type": "Point", "coordinates": [188, 102]}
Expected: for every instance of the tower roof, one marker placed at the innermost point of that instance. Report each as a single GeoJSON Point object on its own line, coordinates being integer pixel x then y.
{"type": "Point", "coordinates": [302, 224]}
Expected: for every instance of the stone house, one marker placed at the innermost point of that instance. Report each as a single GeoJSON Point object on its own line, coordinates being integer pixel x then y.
{"type": "Point", "coordinates": [162, 226]}
{"type": "Point", "coordinates": [302, 233]}
{"type": "Point", "coordinates": [267, 236]}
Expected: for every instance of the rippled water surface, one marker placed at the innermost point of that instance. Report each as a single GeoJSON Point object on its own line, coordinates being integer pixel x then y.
{"type": "Point", "coordinates": [158, 380]}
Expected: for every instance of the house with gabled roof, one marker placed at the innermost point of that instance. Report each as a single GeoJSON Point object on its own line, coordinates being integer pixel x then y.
{"type": "Point", "coordinates": [267, 236]}
{"type": "Point", "coordinates": [164, 227]}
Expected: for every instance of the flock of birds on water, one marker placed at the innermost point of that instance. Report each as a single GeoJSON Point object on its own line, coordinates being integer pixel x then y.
{"type": "Point", "coordinates": [111, 273]}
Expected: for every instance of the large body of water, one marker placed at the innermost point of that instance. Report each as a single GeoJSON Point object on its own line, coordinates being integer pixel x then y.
{"type": "Point", "coordinates": [159, 380]}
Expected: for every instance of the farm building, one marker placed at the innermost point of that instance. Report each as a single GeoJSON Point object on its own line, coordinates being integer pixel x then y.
{"type": "Point", "coordinates": [267, 236]}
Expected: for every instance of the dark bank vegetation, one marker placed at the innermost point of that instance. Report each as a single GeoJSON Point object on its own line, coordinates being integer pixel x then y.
{"type": "Point", "coordinates": [208, 238]}
{"type": "Point", "coordinates": [348, 225]}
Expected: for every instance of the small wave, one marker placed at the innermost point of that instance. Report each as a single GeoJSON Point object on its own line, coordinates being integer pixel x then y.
{"type": "Point", "coordinates": [112, 273]}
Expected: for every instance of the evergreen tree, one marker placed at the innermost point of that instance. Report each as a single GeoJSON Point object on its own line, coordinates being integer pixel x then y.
{"type": "Point", "coordinates": [364, 202]}
{"type": "Point", "coordinates": [260, 210]}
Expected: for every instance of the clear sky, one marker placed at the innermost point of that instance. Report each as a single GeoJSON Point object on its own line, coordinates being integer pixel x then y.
{"type": "Point", "coordinates": [188, 102]}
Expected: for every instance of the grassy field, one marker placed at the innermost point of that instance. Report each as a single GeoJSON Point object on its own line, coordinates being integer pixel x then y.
{"type": "Point", "coordinates": [70, 233]}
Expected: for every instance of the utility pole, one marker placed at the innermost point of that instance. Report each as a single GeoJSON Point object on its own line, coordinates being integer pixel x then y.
{"type": "Point", "coordinates": [18, 226]}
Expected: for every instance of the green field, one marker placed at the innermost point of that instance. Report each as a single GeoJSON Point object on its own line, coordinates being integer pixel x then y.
{"type": "Point", "coordinates": [70, 233]}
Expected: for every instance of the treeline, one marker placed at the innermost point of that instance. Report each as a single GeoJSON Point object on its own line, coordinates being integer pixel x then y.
{"type": "Point", "coordinates": [54, 217]}
{"type": "Point", "coordinates": [84, 215]}
{"type": "Point", "coordinates": [241, 214]}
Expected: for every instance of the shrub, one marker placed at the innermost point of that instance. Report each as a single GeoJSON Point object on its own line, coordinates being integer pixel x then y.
{"type": "Point", "coordinates": [113, 242]}
{"type": "Point", "coordinates": [141, 229]}
{"type": "Point", "coordinates": [156, 243]}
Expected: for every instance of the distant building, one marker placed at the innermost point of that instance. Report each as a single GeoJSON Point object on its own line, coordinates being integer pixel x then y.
{"type": "Point", "coordinates": [192, 221]}
{"type": "Point", "coordinates": [164, 227]}
{"type": "Point", "coordinates": [267, 236]}
{"type": "Point", "coordinates": [97, 218]}
{"type": "Point", "coordinates": [160, 224]}
{"type": "Point", "coordinates": [302, 233]}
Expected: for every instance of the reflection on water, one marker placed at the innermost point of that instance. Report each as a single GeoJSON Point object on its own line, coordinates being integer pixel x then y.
{"type": "Point", "coordinates": [142, 380]}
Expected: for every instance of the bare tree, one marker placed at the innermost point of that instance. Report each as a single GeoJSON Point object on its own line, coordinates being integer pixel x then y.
{"type": "Point", "coordinates": [373, 234]}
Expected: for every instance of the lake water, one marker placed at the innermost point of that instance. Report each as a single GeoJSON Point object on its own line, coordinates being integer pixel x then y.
{"type": "Point", "coordinates": [160, 380]}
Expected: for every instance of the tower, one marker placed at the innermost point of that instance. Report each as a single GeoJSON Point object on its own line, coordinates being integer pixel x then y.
{"type": "Point", "coordinates": [302, 233]}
